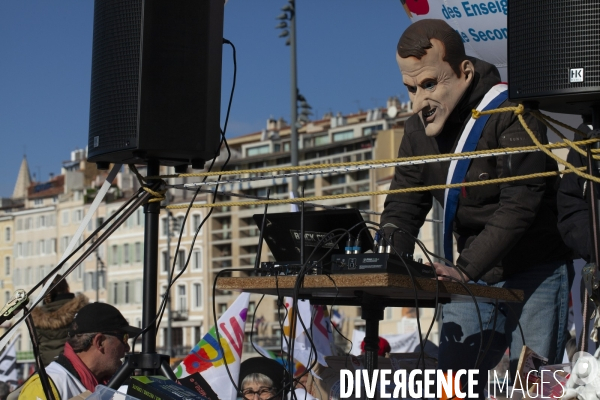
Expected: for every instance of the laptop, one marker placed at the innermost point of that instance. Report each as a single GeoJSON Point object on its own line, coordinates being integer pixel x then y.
{"type": "Point", "coordinates": [282, 233]}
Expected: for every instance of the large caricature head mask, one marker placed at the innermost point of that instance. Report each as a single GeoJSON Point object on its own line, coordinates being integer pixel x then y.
{"type": "Point", "coordinates": [435, 70]}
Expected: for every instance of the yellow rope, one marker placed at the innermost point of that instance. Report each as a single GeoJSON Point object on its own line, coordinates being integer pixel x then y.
{"type": "Point", "coordinates": [367, 162]}
{"type": "Point", "coordinates": [519, 111]}
{"type": "Point", "coordinates": [374, 193]}
{"type": "Point", "coordinates": [158, 195]}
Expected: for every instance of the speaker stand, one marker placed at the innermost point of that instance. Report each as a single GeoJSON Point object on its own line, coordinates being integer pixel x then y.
{"type": "Point", "coordinates": [148, 361]}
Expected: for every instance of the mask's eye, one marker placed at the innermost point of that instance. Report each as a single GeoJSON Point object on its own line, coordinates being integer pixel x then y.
{"type": "Point", "coordinates": [429, 85]}
{"type": "Point", "coordinates": [411, 89]}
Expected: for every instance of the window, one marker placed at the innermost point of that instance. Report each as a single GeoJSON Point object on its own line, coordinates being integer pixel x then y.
{"type": "Point", "coordinates": [165, 226]}
{"type": "Point", "coordinates": [126, 253]}
{"type": "Point", "coordinates": [6, 296]}
{"type": "Point", "coordinates": [79, 272]}
{"type": "Point", "coordinates": [180, 259]}
{"type": "Point", "coordinates": [38, 202]}
{"type": "Point", "coordinates": [321, 140]}
{"type": "Point", "coordinates": [17, 277]}
{"type": "Point", "coordinates": [28, 223]}
{"type": "Point", "coordinates": [41, 247]}
{"type": "Point", "coordinates": [115, 293]}
{"type": "Point", "coordinates": [42, 221]}
{"type": "Point", "coordinates": [65, 218]}
{"type": "Point", "coordinates": [197, 260]}
{"type": "Point", "coordinates": [338, 179]}
{"type": "Point", "coordinates": [20, 225]}
{"type": "Point", "coordinates": [139, 220]}
{"type": "Point", "coordinates": [221, 308]}
{"type": "Point", "coordinates": [77, 216]}
{"type": "Point", "coordinates": [369, 130]}
{"type": "Point", "coordinates": [197, 295]}
{"type": "Point", "coordinates": [51, 246]}
{"type": "Point", "coordinates": [115, 254]}
{"type": "Point", "coordinates": [181, 298]}
{"type": "Point", "coordinates": [7, 234]}
{"type": "Point", "coordinates": [137, 256]}
{"type": "Point", "coordinates": [19, 252]}
{"type": "Point", "coordinates": [257, 150]}
{"type": "Point", "coordinates": [196, 220]}
{"type": "Point", "coordinates": [7, 266]}
{"type": "Point", "coordinates": [64, 243]}
{"type": "Point", "coordinates": [340, 136]}
{"type": "Point", "coordinates": [177, 224]}
{"type": "Point", "coordinates": [165, 261]}
{"type": "Point", "coordinates": [126, 294]}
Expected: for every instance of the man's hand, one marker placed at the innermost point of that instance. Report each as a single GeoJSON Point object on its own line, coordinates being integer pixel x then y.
{"type": "Point", "coordinates": [446, 273]}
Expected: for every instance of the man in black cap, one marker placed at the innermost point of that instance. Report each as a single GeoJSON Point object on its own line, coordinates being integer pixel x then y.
{"type": "Point", "coordinates": [97, 343]}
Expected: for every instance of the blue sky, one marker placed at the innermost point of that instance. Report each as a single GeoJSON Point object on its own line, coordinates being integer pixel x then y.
{"type": "Point", "coordinates": [346, 61]}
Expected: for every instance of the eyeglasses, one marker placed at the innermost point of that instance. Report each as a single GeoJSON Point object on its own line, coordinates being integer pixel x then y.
{"type": "Point", "coordinates": [263, 393]}
{"type": "Point", "coordinates": [123, 337]}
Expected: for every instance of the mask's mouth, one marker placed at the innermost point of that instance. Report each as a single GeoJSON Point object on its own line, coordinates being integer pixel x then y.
{"type": "Point", "coordinates": [428, 116]}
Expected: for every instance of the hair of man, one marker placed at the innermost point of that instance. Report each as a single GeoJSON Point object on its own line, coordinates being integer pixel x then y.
{"type": "Point", "coordinates": [81, 341]}
{"type": "Point", "coordinates": [416, 40]}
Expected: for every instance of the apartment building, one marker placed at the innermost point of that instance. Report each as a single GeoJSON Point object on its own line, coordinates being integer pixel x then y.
{"type": "Point", "coordinates": [199, 244]}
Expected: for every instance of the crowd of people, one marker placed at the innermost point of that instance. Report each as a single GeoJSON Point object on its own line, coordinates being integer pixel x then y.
{"type": "Point", "coordinates": [518, 234]}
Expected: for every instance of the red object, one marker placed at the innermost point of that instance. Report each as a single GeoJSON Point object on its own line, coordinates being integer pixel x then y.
{"type": "Point", "coordinates": [87, 377]}
{"type": "Point", "coordinates": [419, 7]}
{"type": "Point", "coordinates": [384, 347]}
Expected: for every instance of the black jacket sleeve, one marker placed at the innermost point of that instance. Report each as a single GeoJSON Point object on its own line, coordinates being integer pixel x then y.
{"type": "Point", "coordinates": [573, 214]}
{"type": "Point", "coordinates": [519, 200]}
{"type": "Point", "coordinates": [406, 211]}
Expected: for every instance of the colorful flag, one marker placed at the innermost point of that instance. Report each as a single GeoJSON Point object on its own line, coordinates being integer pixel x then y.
{"type": "Point", "coordinates": [337, 319]}
{"type": "Point", "coordinates": [207, 356]}
{"type": "Point", "coordinates": [316, 320]}
{"type": "Point", "coordinates": [8, 364]}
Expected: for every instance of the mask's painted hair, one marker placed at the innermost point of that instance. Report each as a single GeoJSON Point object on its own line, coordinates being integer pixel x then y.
{"type": "Point", "coordinates": [416, 39]}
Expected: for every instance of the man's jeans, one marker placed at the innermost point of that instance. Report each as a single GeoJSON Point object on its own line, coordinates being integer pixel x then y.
{"type": "Point", "coordinates": [542, 316]}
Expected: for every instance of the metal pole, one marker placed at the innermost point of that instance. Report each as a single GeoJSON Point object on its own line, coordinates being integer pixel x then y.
{"type": "Point", "coordinates": [294, 98]}
{"type": "Point", "coordinates": [97, 276]}
{"type": "Point", "coordinates": [151, 211]}
{"type": "Point", "coordinates": [169, 338]}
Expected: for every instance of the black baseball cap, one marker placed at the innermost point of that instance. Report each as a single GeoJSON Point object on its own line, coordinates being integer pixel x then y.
{"type": "Point", "coordinates": [101, 317]}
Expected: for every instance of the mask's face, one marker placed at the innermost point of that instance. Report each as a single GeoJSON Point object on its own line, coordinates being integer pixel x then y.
{"type": "Point", "coordinates": [433, 86]}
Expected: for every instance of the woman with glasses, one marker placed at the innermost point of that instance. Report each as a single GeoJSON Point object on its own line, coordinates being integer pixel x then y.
{"type": "Point", "coordinates": [262, 378]}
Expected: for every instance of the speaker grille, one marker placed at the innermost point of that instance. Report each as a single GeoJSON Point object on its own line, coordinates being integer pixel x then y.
{"type": "Point", "coordinates": [547, 39]}
{"type": "Point", "coordinates": [115, 75]}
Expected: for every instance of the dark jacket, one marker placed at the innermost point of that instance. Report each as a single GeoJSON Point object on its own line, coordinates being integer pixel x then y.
{"type": "Point", "coordinates": [573, 214]}
{"type": "Point", "coordinates": [53, 321]}
{"type": "Point", "coordinates": [500, 229]}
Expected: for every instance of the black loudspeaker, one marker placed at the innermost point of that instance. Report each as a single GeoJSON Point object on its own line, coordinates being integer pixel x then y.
{"type": "Point", "coordinates": [156, 82]}
{"type": "Point", "coordinates": [554, 54]}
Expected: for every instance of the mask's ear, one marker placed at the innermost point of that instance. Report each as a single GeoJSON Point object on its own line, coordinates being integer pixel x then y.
{"type": "Point", "coordinates": [468, 70]}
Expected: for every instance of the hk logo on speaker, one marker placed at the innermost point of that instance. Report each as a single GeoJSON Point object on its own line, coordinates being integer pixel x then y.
{"type": "Point", "coordinates": [576, 75]}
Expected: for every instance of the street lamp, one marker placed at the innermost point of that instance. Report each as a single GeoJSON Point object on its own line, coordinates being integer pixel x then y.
{"type": "Point", "coordinates": [289, 14]}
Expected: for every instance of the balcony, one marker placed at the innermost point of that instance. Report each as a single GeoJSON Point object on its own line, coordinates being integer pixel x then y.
{"type": "Point", "coordinates": [179, 315]}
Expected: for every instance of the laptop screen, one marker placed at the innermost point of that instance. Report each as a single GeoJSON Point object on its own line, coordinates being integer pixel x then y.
{"type": "Point", "coordinates": [282, 233]}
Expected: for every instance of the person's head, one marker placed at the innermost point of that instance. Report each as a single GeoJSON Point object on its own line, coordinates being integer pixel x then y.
{"type": "Point", "coordinates": [62, 287]}
{"type": "Point", "coordinates": [435, 70]}
{"type": "Point", "coordinates": [384, 347]}
{"type": "Point", "coordinates": [262, 378]}
{"type": "Point", "coordinates": [99, 336]}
